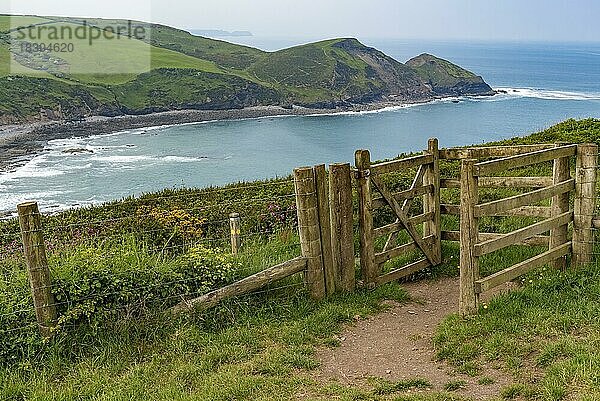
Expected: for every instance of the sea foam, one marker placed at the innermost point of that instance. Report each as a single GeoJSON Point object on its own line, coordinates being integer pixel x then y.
{"type": "Point", "coordinates": [548, 94]}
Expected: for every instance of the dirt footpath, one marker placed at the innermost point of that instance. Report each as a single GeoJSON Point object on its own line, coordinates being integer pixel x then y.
{"type": "Point", "coordinates": [397, 344]}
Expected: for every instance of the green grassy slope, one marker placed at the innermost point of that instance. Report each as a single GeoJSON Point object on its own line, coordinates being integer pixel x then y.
{"type": "Point", "coordinates": [224, 54]}
{"type": "Point", "coordinates": [167, 89]}
{"type": "Point", "coordinates": [323, 74]}
{"type": "Point", "coordinates": [340, 69]}
{"type": "Point", "coordinates": [447, 78]}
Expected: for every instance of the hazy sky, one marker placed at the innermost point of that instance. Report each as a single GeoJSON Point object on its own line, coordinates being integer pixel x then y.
{"type": "Point", "coordinates": [545, 20]}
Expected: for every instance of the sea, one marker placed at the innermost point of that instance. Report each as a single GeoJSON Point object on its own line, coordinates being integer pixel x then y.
{"type": "Point", "coordinates": [545, 83]}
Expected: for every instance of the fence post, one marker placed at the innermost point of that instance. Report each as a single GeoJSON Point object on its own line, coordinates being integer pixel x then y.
{"type": "Point", "coordinates": [342, 230]}
{"type": "Point", "coordinates": [585, 203]}
{"type": "Point", "coordinates": [308, 226]}
{"type": "Point", "coordinates": [431, 201]}
{"type": "Point", "coordinates": [236, 239]}
{"type": "Point", "coordinates": [367, 246]}
{"type": "Point", "coordinates": [560, 205]}
{"type": "Point", "coordinates": [469, 233]}
{"type": "Point", "coordinates": [37, 267]}
{"type": "Point", "coordinates": [325, 226]}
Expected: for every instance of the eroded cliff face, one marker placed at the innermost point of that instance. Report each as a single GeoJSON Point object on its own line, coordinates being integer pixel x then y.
{"type": "Point", "coordinates": [396, 79]}
{"type": "Point", "coordinates": [422, 78]}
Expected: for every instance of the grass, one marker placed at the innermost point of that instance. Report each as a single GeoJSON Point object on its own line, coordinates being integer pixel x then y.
{"type": "Point", "coordinates": [8, 22]}
{"type": "Point", "coordinates": [256, 349]}
{"type": "Point", "coordinates": [440, 71]}
{"type": "Point", "coordinates": [547, 332]}
{"type": "Point", "coordinates": [486, 381]}
{"type": "Point", "coordinates": [263, 346]}
{"type": "Point", "coordinates": [384, 387]}
{"type": "Point", "coordinates": [116, 61]}
{"type": "Point", "coordinates": [549, 328]}
{"type": "Point", "coordinates": [455, 385]}
{"type": "Point", "coordinates": [4, 61]}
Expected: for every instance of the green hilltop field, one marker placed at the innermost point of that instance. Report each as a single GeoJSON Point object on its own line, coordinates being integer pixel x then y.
{"type": "Point", "coordinates": [171, 69]}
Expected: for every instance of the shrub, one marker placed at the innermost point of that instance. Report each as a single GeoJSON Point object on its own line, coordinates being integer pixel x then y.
{"type": "Point", "coordinates": [97, 285]}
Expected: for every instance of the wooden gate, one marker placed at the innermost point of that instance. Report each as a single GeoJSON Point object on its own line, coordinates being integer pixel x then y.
{"type": "Point", "coordinates": [555, 218]}
{"type": "Point", "coordinates": [425, 241]}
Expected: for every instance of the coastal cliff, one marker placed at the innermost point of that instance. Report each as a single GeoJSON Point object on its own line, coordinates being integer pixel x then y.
{"type": "Point", "coordinates": [188, 72]}
{"type": "Point", "coordinates": [447, 79]}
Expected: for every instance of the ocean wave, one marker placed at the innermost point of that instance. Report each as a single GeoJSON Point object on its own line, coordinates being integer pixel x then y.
{"type": "Point", "coordinates": [386, 109]}
{"type": "Point", "coordinates": [547, 94]}
{"type": "Point", "coordinates": [32, 169]}
{"type": "Point", "coordinates": [183, 159]}
{"type": "Point", "coordinates": [60, 145]}
{"type": "Point", "coordinates": [8, 201]}
{"type": "Point", "coordinates": [121, 159]}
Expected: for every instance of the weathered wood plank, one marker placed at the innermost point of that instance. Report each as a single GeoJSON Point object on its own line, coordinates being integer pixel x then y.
{"type": "Point", "coordinates": [538, 240]}
{"type": "Point", "coordinates": [342, 230]}
{"type": "Point", "coordinates": [585, 203]}
{"type": "Point", "coordinates": [431, 201]}
{"type": "Point", "coordinates": [410, 228]}
{"type": "Point", "coordinates": [493, 182]}
{"type": "Point", "coordinates": [401, 164]}
{"type": "Point", "coordinates": [309, 231]}
{"type": "Point", "coordinates": [403, 272]}
{"type": "Point", "coordinates": [469, 233]}
{"type": "Point", "coordinates": [528, 211]}
{"type": "Point", "coordinates": [519, 269]}
{"type": "Point", "coordinates": [453, 210]}
{"type": "Point", "coordinates": [383, 257]}
{"type": "Point", "coordinates": [325, 226]}
{"type": "Point", "coordinates": [37, 267]}
{"type": "Point", "coordinates": [540, 156]}
{"type": "Point", "coordinates": [244, 286]}
{"type": "Point", "coordinates": [484, 152]}
{"type": "Point", "coordinates": [523, 211]}
{"type": "Point", "coordinates": [495, 207]}
{"type": "Point", "coordinates": [561, 171]}
{"type": "Point", "coordinates": [235, 225]}
{"type": "Point", "coordinates": [522, 234]}
{"type": "Point", "coordinates": [369, 269]}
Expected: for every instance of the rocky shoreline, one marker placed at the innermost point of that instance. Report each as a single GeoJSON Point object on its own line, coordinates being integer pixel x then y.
{"type": "Point", "coordinates": [19, 142]}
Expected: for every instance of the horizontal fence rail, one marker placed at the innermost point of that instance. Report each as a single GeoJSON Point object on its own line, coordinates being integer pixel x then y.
{"type": "Point", "coordinates": [246, 285]}
{"type": "Point", "coordinates": [504, 205]}
{"type": "Point", "coordinates": [527, 159]}
{"type": "Point", "coordinates": [556, 218]}
{"type": "Point", "coordinates": [519, 269]}
{"type": "Point", "coordinates": [485, 152]}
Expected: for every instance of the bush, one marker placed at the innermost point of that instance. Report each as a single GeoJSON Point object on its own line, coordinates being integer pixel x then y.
{"type": "Point", "coordinates": [98, 285]}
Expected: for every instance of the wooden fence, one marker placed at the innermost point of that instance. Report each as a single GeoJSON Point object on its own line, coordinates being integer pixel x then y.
{"type": "Point", "coordinates": [326, 222]}
{"type": "Point", "coordinates": [427, 241]}
{"type": "Point", "coordinates": [326, 237]}
{"type": "Point", "coordinates": [476, 174]}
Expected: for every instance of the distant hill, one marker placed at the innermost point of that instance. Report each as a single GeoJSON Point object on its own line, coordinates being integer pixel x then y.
{"type": "Point", "coordinates": [185, 71]}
